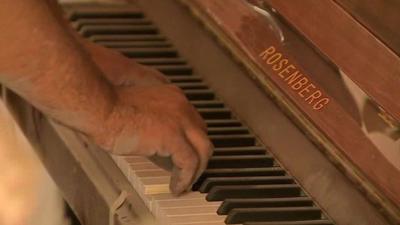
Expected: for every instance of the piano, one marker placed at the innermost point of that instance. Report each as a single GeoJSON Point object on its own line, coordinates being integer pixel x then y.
{"type": "Point", "coordinates": [300, 99]}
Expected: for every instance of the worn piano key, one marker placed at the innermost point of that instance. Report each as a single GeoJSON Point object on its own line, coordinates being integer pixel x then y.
{"type": "Point", "coordinates": [220, 181]}
{"type": "Point", "coordinates": [124, 37]}
{"type": "Point", "coordinates": [232, 140]}
{"type": "Point", "coordinates": [252, 150]}
{"type": "Point", "coordinates": [219, 193]}
{"type": "Point", "coordinates": [241, 215]}
{"type": "Point", "coordinates": [230, 204]}
{"type": "Point", "coordinates": [304, 222]}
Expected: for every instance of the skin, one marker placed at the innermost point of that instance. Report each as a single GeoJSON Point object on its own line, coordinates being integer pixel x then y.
{"type": "Point", "coordinates": [123, 107]}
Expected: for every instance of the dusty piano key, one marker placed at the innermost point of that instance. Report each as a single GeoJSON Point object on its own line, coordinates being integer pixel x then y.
{"type": "Point", "coordinates": [184, 79]}
{"type": "Point", "coordinates": [232, 203]}
{"type": "Point", "coordinates": [154, 185]}
{"type": "Point", "coordinates": [241, 215]}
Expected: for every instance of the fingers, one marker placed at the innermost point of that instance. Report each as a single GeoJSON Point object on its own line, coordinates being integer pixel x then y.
{"type": "Point", "coordinates": [202, 145]}
{"type": "Point", "coordinates": [185, 168]}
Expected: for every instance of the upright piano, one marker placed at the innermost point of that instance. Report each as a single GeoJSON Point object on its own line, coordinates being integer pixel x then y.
{"type": "Point", "coordinates": [301, 100]}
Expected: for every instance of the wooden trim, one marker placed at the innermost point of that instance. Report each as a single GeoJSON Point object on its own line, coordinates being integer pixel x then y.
{"type": "Point", "coordinates": [246, 35]}
{"type": "Point", "coordinates": [362, 56]}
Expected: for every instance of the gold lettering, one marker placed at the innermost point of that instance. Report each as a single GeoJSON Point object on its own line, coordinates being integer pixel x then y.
{"type": "Point", "coordinates": [274, 58]}
{"type": "Point", "coordinates": [267, 52]}
{"type": "Point", "coordinates": [280, 65]}
{"type": "Point", "coordinates": [293, 77]}
{"type": "Point", "coordinates": [321, 103]}
{"type": "Point", "coordinates": [306, 89]}
{"type": "Point", "coordinates": [317, 94]}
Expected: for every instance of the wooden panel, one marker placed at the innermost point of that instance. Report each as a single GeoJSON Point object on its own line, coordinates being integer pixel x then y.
{"type": "Point", "coordinates": [373, 66]}
{"type": "Point", "coordinates": [247, 35]}
{"type": "Point", "coordinates": [380, 17]}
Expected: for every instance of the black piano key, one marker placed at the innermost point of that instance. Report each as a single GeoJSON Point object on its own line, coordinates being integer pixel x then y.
{"type": "Point", "coordinates": [160, 61]}
{"type": "Point", "coordinates": [240, 161]}
{"type": "Point", "coordinates": [253, 150]}
{"type": "Point", "coordinates": [134, 44]}
{"type": "Point", "coordinates": [90, 30]}
{"type": "Point", "coordinates": [184, 79]}
{"type": "Point", "coordinates": [78, 24]}
{"type": "Point", "coordinates": [124, 37]}
{"type": "Point", "coordinates": [223, 123]}
{"type": "Point", "coordinates": [228, 130]}
{"type": "Point", "coordinates": [104, 13]}
{"type": "Point", "coordinates": [148, 52]}
{"type": "Point", "coordinates": [238, 172]}
{"type": "Point", "coordinates": [215, 113]}
{"type": "Point", "coordinates": [174, 69]}
{"type": "Point", "coordinates": [220, 181]}
{"type": "Point", "coordinates": [207, 103]}
{"type": "Point", "coordinates": [241, 215]}
{"type": "Point", "coordinates": [199, 95]}
{"type": "Point", "coordinates": [304, 222]}
{"type": "Point", "coordinates": [192, 86]}
{"type": "Point", "coordinates": [220, 193]}
{"type": "Point", "coordinates": [230, 204]}
{"type": "Point", "coordinates": [233, 140]}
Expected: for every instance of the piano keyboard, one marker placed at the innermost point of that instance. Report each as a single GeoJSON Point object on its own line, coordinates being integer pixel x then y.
{"type": "Point", "coordinates": [243, 184]}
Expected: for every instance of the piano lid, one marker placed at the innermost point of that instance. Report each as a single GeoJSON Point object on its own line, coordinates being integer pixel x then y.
{"type": "Point", "coordinates": [329, 73]}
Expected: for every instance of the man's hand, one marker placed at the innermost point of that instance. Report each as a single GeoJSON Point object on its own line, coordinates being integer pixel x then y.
{"type": "Point", "coordinates": [158, 120]}
{"type": "Point", "coordinates": [155, 118]}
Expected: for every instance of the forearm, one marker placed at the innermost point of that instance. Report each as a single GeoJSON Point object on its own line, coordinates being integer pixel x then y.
{"type": "Point", "coordinates": [41, 61]}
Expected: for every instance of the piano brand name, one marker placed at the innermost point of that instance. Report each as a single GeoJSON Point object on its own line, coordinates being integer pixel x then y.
{"type": "Point", "coordinates": [297, 81]}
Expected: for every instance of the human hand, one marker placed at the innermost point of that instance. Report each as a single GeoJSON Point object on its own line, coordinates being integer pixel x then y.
{"type": "Point", "coordinates": [158, 120]}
